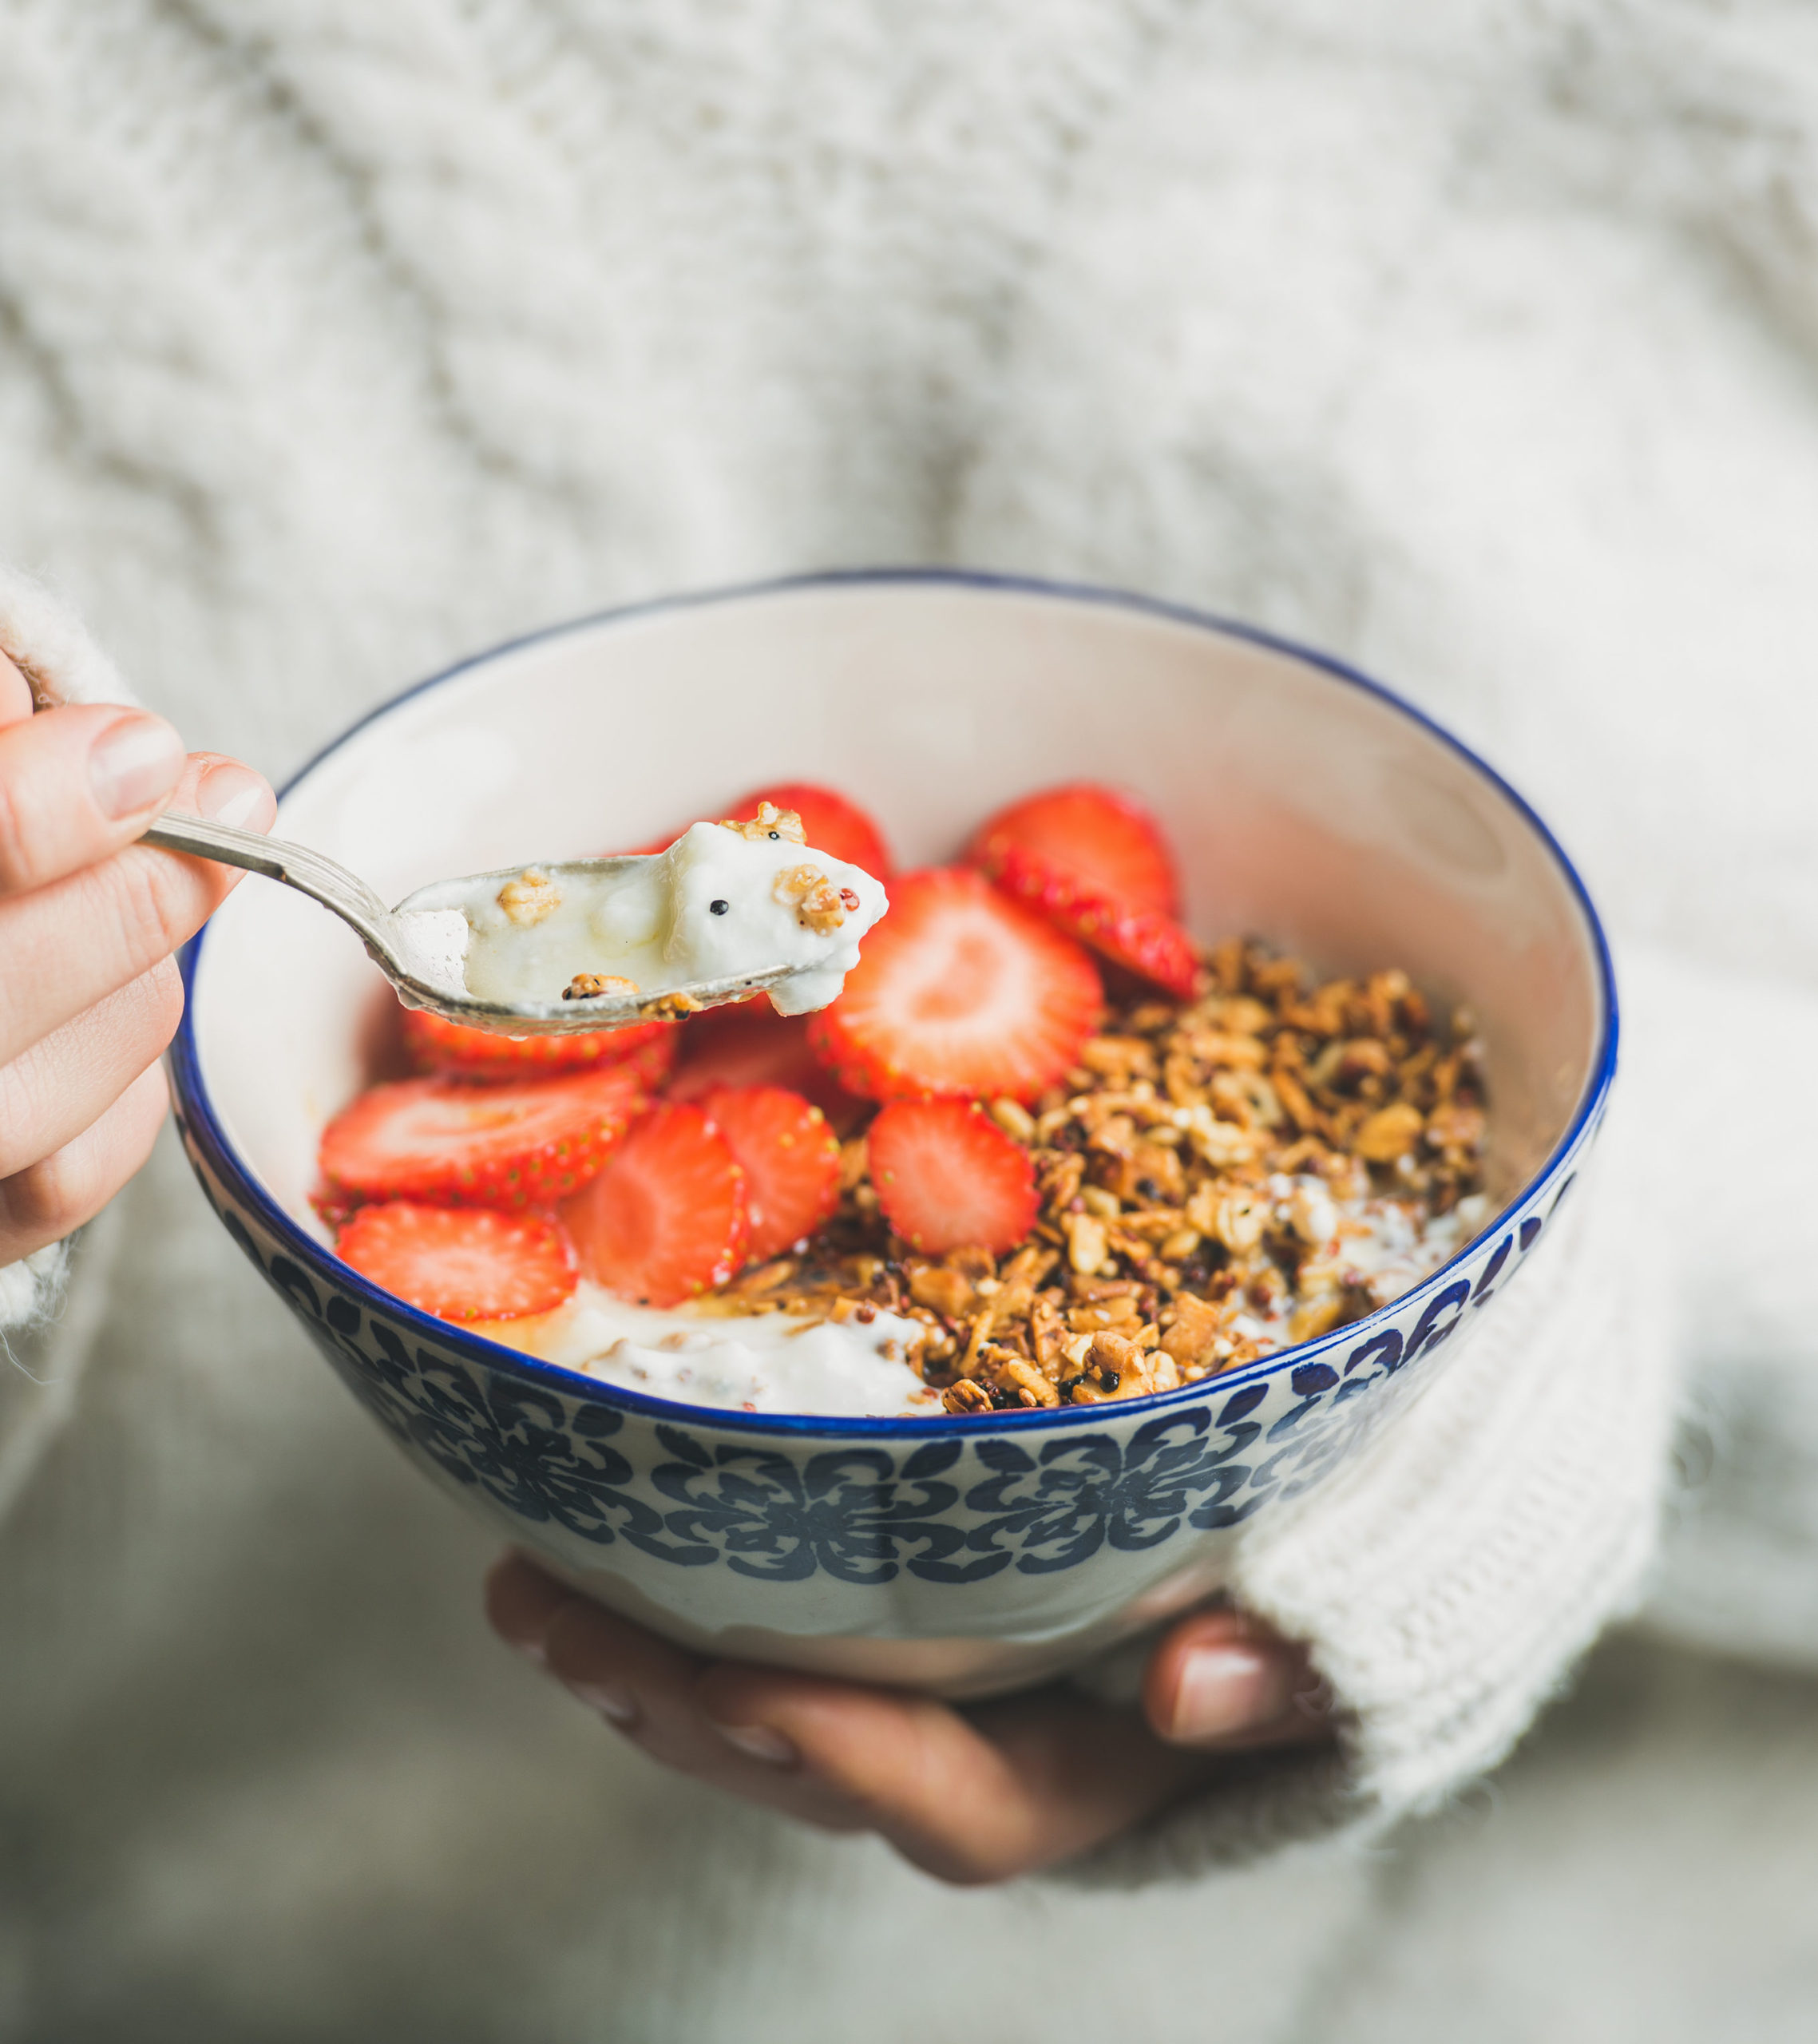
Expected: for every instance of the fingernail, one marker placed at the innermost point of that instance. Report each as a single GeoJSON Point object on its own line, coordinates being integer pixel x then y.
{"type": "Point", "coordinates": [533, 1644]}
{"type": "Point", "coordinates": [134, 762]}
{"type": "Point", "coordinates": [759, 1742]}
{"type": "Point", "coordinates": [1229, 1689]}
{"type": "Point", "coordinates": [236, 796]}
{"type": "Point", "coordinates": [609, 1699]}
{"type": "Point", "coordinates": [522, 1603]}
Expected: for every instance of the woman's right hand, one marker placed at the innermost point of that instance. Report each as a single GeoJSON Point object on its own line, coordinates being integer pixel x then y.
{"type": "Point", "coordinates": [89, 993]}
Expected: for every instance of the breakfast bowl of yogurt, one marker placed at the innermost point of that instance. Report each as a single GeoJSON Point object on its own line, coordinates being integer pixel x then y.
{"type": "Point", "coordinates": [1185, 1046]}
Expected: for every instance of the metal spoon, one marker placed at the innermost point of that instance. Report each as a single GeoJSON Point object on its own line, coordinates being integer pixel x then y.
{"type": "Point", "coordinates": [404, 953]}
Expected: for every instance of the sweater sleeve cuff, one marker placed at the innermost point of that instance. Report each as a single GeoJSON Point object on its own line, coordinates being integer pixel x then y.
{"type": "Point", "coordinates": [52, 647]}
{"type": "Point", "coordinates": [31, 1289]}
{"type": "Point", "coordinates": [1447, 1580]}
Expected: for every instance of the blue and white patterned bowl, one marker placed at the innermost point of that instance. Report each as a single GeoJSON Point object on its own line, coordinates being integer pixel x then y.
{"type": "Point", "coordinates": [960, 1555]}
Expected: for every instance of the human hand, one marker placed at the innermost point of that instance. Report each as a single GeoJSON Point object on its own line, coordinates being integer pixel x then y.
{"type": "Point", "coordinates": [89, 993]}
{"type": "Point", "coordinates": [971, 1794]}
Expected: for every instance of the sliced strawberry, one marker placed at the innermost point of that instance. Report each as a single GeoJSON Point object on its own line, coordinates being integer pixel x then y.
{"type": "Point", "coordinates": [1141, 940]}
{"type": "Point", "coordinates": [749, 1043]}
{"type": "Point", "coordinates": [437, 1045]}
{"type": "Point", "coordinates": [667, 1217]}
{"type": "Point", "coordinates": [1105, 841]}
{"type": "Point", "coordinates": [652, 1060]}
{"type": "Point", "coordinates": [947, 1177]}
{"type": "Point", "coordinates": [460, 1263]}
{"type": "Point", "coordinates": [958, 991]}
{"type": "Point", "coordinates": [791, 1159]}
{"type": "Point", "coordinates": [524, 1144]}
{"type": "Point", "coordinates": [830, 822]}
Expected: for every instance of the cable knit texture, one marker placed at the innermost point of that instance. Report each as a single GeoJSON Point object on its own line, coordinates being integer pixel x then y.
{"type": "Point", "coordinates": [1475, 343]}
{"type": "Point", "coordinates": [1449, 1579]}
{"type": "Point", "coordinates": [29, 1289]}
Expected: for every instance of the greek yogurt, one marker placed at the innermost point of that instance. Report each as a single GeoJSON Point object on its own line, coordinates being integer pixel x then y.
{"type": "Point", "coordinates": [755, 1363]}
{"type": "Point", "coordinates": [726, 900]}
{"type": "Point", "coordinates": [1379, 1245]}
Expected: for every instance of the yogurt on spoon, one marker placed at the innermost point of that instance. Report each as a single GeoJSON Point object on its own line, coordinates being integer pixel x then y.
{"type": "Point", "coordinates": [727, 899]}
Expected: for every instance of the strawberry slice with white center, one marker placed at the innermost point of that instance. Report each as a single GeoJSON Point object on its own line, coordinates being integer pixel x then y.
{"type": "Point", "coordinates": [436, 1044]}
{"type": "Point", "coordinates": [527, 1144]}
{"type": "Point", "coordinates": [948, 1178]}
{"type": "Point", "coordinates": [1105, 842]}
{"type": "Point", "coordinates": [791, 1159]}
{"type": "Point", "coordinates": [460, 1263]}
{"type": "Point", "coordinates": [1142, 940]}
{"type": "Point", "coordinates": [959, 991]}
{"type": "Point", "coordinates": [666, 1219]}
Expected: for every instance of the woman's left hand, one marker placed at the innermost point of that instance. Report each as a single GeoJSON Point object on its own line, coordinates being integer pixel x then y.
{"type": "Point", "coordinates": [973, 1793]}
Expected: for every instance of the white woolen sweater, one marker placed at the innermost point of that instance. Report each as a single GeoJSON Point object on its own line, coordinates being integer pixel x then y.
{"type": "Point", "coordinates": [335, 341]}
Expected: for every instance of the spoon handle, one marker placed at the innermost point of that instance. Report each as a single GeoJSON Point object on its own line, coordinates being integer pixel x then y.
{"type": "Point", "coordinates": [296, 866]}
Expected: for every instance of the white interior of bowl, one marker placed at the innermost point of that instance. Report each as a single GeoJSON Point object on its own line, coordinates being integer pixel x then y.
{"type": "Point", "coordinates": [1305, 809]}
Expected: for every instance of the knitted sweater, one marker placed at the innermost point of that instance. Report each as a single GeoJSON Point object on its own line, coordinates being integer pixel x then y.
{"type": "Point", "coordinates": [1471, 343]}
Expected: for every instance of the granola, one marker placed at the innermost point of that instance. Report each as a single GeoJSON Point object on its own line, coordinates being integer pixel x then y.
{"type": "Point", "coordinates": [819, 905]}
{"type": "Point", "coordinates": [1218, 1177]}
{"type": "Point", "coordinates": [771, 822]}
{"type": "Point", "coordinates": [590, 986]}
{"type": "Point", "coordinates": [530, 897]}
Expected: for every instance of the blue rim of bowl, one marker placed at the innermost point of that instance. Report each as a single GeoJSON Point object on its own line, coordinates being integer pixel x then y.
{"type": "Point", "coordinates": [205, 1129]}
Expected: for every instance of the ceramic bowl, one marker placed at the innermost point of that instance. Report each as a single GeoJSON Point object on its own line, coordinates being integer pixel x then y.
{"type": "Point", "coordinates": [960, 1555]}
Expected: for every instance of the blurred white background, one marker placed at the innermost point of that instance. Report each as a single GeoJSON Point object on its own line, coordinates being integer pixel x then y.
{"type": "Point", "coordinates": [1478, 343]}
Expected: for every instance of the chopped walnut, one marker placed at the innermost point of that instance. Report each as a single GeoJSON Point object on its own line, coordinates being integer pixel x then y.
{"type": "Point", "coordinates": [1194, 1325]}
{"type": "Point", "coordinates": [819, 905]}
{"type": "Point", "coordinates": [1238, 1220]}
{"type": "Point", "coordinates": [528, 899]}
{"type": "Point", "coordinates": [770, 822]}
{"type": "Point", "coordinates": [670, 1007]}
{"type": "Point", "coordinates": [1112, 1354]}
{"type": "Point", "coordinates": [1087, 1244]}
{"type": "Point", "coordinates": [1029, 1384]}
{"type": "Point", "coordinates": [1389, 1133]}
{"type": "Point", "coordinates": [949, 1293]}
{"type": "Point", "coordinates": [1015, 1119]}
{"type": "Point", "coordinates": [1316, 1316]}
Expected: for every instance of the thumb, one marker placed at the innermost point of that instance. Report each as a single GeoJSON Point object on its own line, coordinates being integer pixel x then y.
{"type": "Point", "coordinates": [16, 703]}
{"type": "Point", "coordinates": [1221, 1680]}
